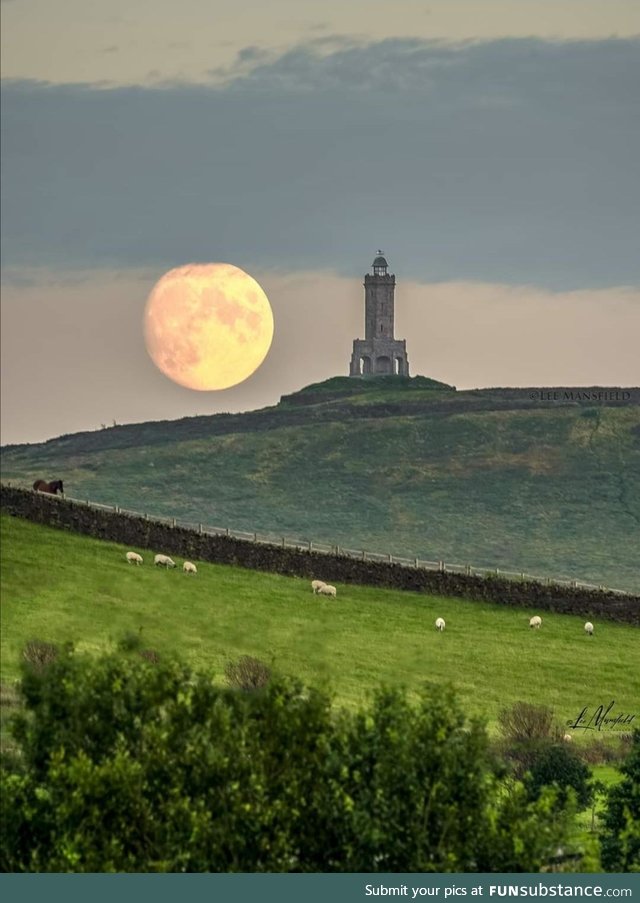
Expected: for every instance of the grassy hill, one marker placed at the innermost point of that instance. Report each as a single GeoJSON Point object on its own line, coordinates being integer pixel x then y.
{"type": "Point", "coordinates": [59, 587]}
{"type": "Point", "coordinates": [493, 478]}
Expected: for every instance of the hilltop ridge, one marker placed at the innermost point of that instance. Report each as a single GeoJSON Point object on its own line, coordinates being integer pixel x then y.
{"type": "Point", "coordinates": [337, 396]}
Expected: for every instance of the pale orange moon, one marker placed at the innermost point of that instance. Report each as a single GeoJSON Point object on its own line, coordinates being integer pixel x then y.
{"type": "Point", "coordinates": [208, 325]}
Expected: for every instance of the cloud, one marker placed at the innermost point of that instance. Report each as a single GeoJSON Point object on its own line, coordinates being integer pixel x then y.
{"type": "Point", "coordinates": [462, 71]}
{"type": "Point", "coordinates": [251, 54]}
{"type": "Point", "coordinates": [506, 161]}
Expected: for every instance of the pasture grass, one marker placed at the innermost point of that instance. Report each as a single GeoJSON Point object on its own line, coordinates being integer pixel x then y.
{"type": "Point", "coordinates": [58, 586]}
{"type": "Point", "coordinates": [552, 491]}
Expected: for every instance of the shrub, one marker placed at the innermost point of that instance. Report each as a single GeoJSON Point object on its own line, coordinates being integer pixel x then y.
{"type": "Point", "coordinates": [134, 769]}
{"type": "Point", "coordinates": [601, 752]}
{"type": "Point", "coordinates": [559, 766]}
{"type": "Point", "coordinates": [527, 731]}
{"type": "Point", "coordinates": [525, 721]}
{"type": "Point", "coordinates": [39, 654]}
{"type": "Point", "coordinates": [130, 641]}
{"type": "Point", "coordinates": [247, 673]}
{"type": "Point", "coordinates": [9, 696]}
{"type": "Point", "coordinates": [150, 655]}
{"type": "Point", "coordinates": [620, 840]}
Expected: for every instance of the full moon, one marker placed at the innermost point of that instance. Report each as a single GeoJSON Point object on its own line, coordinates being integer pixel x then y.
{"type": "Point", "coordinates": [207, 325]}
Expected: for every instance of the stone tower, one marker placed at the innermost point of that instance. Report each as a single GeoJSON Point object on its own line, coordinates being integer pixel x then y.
{"type": "Point", "coordinates": [379, 353]}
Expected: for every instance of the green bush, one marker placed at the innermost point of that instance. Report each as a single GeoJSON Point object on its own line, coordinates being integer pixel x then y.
{"type": "Point", "coordinates": [131, 767]}
{"type": "Point", "coordinates": [130, 641]}
{"type": "Point", "coordinates": [559, 766]}
{"type": "Point", "coordinates": [621, 832]}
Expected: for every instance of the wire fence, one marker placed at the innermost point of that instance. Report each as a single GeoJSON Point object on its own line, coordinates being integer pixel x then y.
{"type": "Point", "coordinates": [324, 548]}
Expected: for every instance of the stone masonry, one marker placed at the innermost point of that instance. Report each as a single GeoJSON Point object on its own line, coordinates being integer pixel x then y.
{"type": "Point", "coordinates": [379, 353]}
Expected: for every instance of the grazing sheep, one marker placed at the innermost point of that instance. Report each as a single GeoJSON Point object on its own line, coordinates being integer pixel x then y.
{"type": "Point", "coordinates": [134, 558]}
{"type": "Point", "coordinates": [568, 738]}
{"type": "Point", "coordinates": [316, 584]}
{"type": "Point", "coordinates": [164, 560]}
{"type": "Point", "coordinates": [588, 628]}
{"type": "Point", "coordinates": [189, 568]}
{"type": "Point", "coordinates": [327, 590]}
{"type": "Point", "coordinates": [535, 622]}
{"type": "Point", "coordinates": [440, 625]}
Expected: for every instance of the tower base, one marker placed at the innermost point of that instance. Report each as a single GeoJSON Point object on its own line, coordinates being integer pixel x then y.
{"type": "Point", "coordinates": [380, 357]}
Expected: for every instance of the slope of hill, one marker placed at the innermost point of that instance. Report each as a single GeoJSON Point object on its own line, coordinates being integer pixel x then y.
{"type": "Point", "coordinates": [500, 477]}
{"type": "Point", "coordinates": [60, 587]}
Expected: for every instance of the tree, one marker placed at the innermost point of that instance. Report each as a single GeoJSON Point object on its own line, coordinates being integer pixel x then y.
{"type": "Point", "coordinates": [558, 766]}
{"type": "Point", "coordinates": [128, 766]}
{"type": "Point", "coordinates": [620, 842]}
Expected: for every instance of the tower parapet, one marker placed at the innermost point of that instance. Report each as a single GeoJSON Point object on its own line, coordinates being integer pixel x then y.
{"type": "Point", "coordinates": [379, 353]}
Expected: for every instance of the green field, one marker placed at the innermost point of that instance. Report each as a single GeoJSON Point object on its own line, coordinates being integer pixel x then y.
{"type": "Point", "coordinates": [59, 587]}
{"type": "Point", "coordinates": [487, 478]}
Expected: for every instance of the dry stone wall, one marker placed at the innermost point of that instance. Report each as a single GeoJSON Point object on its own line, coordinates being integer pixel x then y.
{"type": "Point", "coordinates": [138, 532]}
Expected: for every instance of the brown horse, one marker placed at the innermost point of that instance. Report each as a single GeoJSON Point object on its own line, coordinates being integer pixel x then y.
{"type": "Point", "coordinates": [54, 487]}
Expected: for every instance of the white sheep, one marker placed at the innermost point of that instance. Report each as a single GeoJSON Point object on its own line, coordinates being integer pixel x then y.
{"type": "Point", "coordinates": [189, 568]}
{"type": "Point", "coordinates": [134, 558]}
{"type": "Point", "coordinates": [440, 625]}
{"type": "Point", "coordinates": [535, 622]}
{"type": "Point", "coordinates": [316, 584]}
{"type": "Point", "coordinates": [164, 560]}
{"type": "Point", "coordinates": [568, 738]}
{"type": "Point", "coordinates": [588, 628]}
{"type": "Point", "coordinates": [327, 590]}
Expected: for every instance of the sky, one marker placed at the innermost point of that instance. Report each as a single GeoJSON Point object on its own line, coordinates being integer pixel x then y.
{"type": "Point", "coordinates": [490, 149]}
